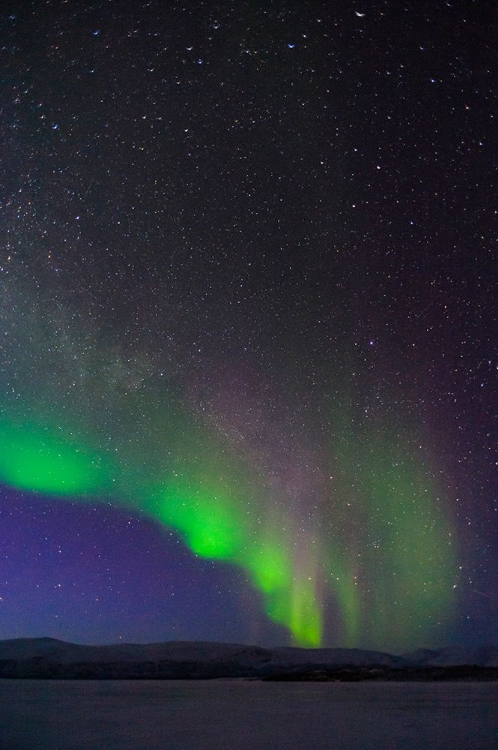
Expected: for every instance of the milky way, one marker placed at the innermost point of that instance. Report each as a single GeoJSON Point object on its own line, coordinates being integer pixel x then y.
{"type": "Point", "coordinates": [247, 324]}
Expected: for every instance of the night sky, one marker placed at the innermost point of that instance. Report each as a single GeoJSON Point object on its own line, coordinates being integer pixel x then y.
{"type": "Point", "coordinates": [248, 322]}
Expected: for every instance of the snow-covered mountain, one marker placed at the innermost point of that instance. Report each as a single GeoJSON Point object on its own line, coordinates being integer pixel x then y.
{"type": "Point", "coordinates": [190, 651]}
{"type": "Point", "coordinates": [451, 656]}
{"type": "Point", "coordinates": [183, 659]}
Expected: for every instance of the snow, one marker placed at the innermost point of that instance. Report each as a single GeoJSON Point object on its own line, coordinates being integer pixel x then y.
{"type": "Point", "coordinates": [192, 651]}
{"type": "Point", "coordinates": [227, 714]}
{"type": "Point", "coordinates": [483, 656]}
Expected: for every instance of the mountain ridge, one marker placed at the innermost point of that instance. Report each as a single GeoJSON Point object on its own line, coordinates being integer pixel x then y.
{"type": "Point", "coordinates": [249, 658]}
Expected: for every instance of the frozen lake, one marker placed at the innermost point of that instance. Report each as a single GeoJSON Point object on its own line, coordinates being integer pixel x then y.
{"type": "Point", "coordinates": [242, 715]}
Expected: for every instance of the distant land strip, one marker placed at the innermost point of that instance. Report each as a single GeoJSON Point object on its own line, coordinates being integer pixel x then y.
{"type": "Point", "coordinates": [48, 658]}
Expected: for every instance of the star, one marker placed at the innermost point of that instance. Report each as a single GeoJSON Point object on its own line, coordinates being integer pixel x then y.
{"type": "Point", "coordinates": [227, 277]}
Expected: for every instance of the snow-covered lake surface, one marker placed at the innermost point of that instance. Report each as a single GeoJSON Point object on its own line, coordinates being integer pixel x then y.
{"type": "Point", "coordinates": [243, 715]}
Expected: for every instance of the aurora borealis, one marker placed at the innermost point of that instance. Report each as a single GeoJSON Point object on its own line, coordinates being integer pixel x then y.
{"type": "Point", "coordinates": [247, 357]}
{"type": "Point", "coordinates": [227, 504]}
{"type": "Point", "coordinates": [237, 496]}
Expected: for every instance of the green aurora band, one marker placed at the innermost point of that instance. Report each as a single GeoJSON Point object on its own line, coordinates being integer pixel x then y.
{"type": "Point", "coordinates": [380, 555]}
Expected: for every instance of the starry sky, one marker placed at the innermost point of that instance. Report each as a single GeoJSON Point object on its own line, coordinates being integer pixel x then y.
{"type": "Point", "coordinates": [248, 348]}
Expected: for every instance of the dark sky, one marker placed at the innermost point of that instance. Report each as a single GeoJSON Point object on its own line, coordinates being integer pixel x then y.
{"type": "Point", "coordinates": [248, 348]}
